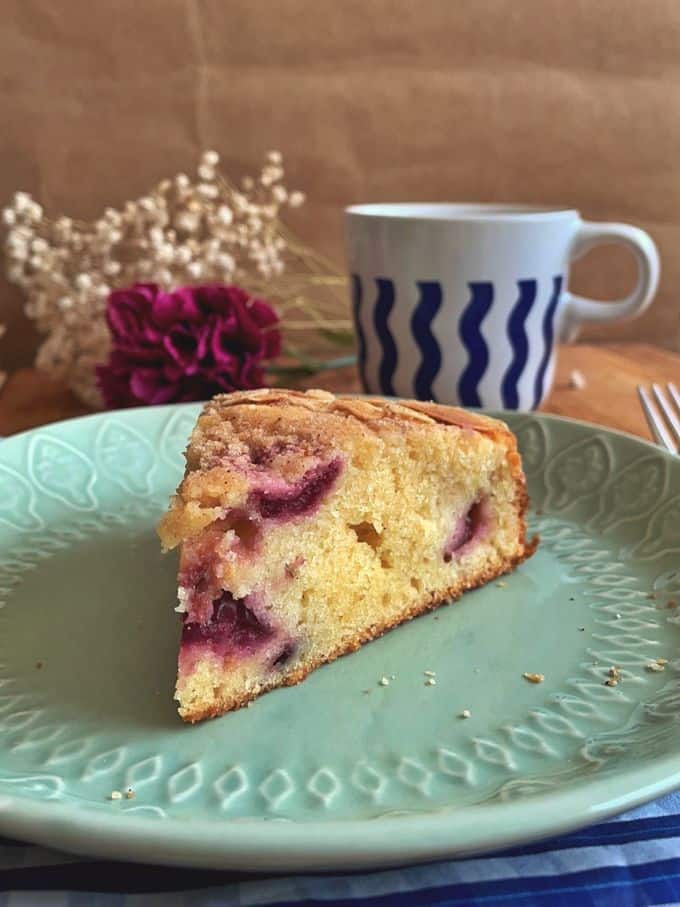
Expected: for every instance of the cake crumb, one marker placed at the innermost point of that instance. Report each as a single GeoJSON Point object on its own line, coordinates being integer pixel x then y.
{"type": "Point", "coordinates": [613, 678]}
{"type": "Point", "coordinates": [502, 584]}
{"type": "Point", "coordinates": [533, 678]}
{"type": "Point", "coordinates": [129, 794]}
{"type": "Point", "coordinates": [116, 795]}
{"type": "Point", "coordinates": [430, 682]}
{"type": "Point", "coordinates": [661, 661]}
{"type": "Point", "coordinates": [384, 681]}
{"type": "Point", "coordinates": [465, 713]}
{"type": "Point", "coordinates": [430, 673]}
{"type": "Point", "coordinates": [654, 666]}
{"type": "Point", "coordinates": [577, 380]}
{"type": "Point", "coordinates": [581, 629]}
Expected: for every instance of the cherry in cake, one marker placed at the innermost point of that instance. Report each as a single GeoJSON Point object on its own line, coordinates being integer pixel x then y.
{"type": "Point", "coordinates": [309, 524]}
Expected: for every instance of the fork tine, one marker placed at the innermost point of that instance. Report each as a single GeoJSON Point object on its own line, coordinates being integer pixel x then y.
{"type": "Point", "coordinates": [656, 424]}
{"type": "Point", "coordinates": [673, 391]}
{"type": "Point", "coordinates": [667, 411]}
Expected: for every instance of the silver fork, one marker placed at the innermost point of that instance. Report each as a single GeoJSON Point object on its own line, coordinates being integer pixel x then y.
{"type": "Point", "coordinates": [662, 414]}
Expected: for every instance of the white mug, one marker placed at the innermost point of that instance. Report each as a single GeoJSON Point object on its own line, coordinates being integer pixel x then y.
{"type": "Point", "coordinates": [464, 303]}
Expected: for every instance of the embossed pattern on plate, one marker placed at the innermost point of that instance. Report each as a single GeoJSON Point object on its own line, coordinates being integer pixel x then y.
{"type": "Point", "coordinates": [88, 648]}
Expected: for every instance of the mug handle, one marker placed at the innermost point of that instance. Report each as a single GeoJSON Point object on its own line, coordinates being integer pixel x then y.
{"type": "Point", "coordinates": [576, 309]}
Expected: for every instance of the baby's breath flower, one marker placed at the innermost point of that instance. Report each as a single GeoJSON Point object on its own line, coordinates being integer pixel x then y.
{"type": "Point", "coordinates": [164, 277]}
{"type": "Point", "coordinates": [279, 194]}
{"type": "Point", "coordinates": [225, 215]}
{"type": "Point", "coordinates": [182, 231]}
{"type": "Point", "coordinates": [182, 255]}
{"type": "Point", "coordinates": [22, 201]}
{"type": "Point", "coordinates": [186, 221]}
{"type": "Point", "coordinates": [271, 175]}
{"type": "Point", "coordinates": [226, 261]}
{"type": "Point", "coordinates": [165, 253]}
{"type": "Point", "coordinates": [111, 268]}
{"type": "Point", "coordinates": [208, 190]}
{"type": "Point", "coordinates": [206, 172]}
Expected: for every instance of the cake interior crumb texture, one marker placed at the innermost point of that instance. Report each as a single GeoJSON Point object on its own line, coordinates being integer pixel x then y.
{"type": "Point", "coordinates": [310, 524]}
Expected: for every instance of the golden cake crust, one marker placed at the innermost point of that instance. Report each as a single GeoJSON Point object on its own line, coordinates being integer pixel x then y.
{"type": "Point", "coordinates": [209, 485]}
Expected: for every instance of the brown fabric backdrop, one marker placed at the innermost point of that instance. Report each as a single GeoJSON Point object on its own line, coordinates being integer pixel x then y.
{"type": "Point", "coordinates": [538, 101]}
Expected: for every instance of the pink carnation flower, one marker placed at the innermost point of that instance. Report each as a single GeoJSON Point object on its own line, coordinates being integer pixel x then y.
{"type": "Point", "coordinates": [188, 344]}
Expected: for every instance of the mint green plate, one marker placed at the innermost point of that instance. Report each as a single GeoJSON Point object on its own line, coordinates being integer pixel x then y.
{"type": "Point", "coordinates": [339, 771]}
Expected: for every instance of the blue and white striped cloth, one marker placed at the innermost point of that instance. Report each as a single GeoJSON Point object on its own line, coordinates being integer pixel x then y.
{"type": "Point", "coordinates": [629, 861]}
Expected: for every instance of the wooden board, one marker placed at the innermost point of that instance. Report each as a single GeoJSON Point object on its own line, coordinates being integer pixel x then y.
{"type": "Point", "coordinates": [611, 371]}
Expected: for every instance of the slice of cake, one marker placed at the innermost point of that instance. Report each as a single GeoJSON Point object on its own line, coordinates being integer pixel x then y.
{"type": "Point", "coordinates": [310, 524]}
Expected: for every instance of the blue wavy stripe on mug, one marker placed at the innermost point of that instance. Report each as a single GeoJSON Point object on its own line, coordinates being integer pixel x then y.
{"type": "Point", "coordinates": [548, 337]}
{"type": "Point", "coordinates": [357, 297]}
{"type": "Point", "coordinates": [428, 305]}
{"type": "Point", "coordinates": [383, 306]}
{"type": "Point", "coordinates": [469, 329]}
{"type": "Point", "coordinates": [520, 342]}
